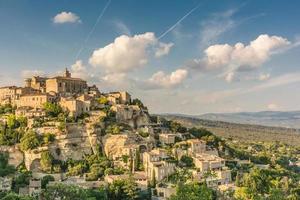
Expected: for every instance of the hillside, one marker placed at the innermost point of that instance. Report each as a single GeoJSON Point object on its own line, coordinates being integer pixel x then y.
{"type": "Point", "coordinates": [288, 119]}
{"type": "Point", "coordinates": [243, 132]}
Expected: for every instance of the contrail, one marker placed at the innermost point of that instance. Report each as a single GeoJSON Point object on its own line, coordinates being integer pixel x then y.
{"type": "Point", "coordinates": [180, 20]}
{"type": "Point", "coordinates": [93, 29]}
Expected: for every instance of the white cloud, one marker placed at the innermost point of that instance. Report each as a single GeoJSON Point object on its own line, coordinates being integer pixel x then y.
{"type": "Point", "coordinates": [79, 70]}
{"type": "Point", "coordinates": [114, 78]}
{"type": "Point", "coordinates": [239, 57]}
{"type": "Point", "coordinates": [31, 73]}
{"type": "Point", "coordinates": [66, 17]}
{"type": "Point", "coordinates": [126, 53]}
{"type": "Point", "coordinates": [162, 80]}
{"type": "Point", "coordinates": [163, 49]}
{"type": "Point", "coordinates": [263, 77]}
{"type": "Point", "coordinates": [273, 106]}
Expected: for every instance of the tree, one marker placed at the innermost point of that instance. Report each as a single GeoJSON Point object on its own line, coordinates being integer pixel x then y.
{"type": "Point", "coordinates": [123, 189]}
{"type": "Point", "coordinates": [46, 161]}
{"type": "Point", "coordinates": [46, 179]}
{"type": "Point", "coordinates": [30, 141]}
{"type": "Point", "coordinates": [48, 137]}
{"type": "Point", "coordinates": [12, 122]}
{"type": "Point", "coordinates": [5, 168]}
{"type": "Point", "coordinates": [66, 192]}
{"type": "Point", "coordinates": [130, 188]}
{"type": "Point", "coordinates": [14, 196]}
{"type": "Point", "coordinates": [187, 161]}
{"type": "Point", "coordinates": [138, 102]}
{"type": "Point", "coordinates": [52, 109]}
{"type": "Point", "coordinates": [103, 100]}
{"type": "Point", "coordinates": [192, 191]}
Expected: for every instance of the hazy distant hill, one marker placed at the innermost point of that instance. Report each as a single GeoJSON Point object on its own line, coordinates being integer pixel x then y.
{"type": "Point", "coordinates": [265, 118]}
{"type": "Point", "coordinates": [241, 131]}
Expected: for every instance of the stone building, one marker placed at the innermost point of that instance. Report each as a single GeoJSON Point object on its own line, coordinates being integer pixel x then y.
{"type": "Point", "coordinates": [156, 164]}
{"type": "Point", "coordinates": [10, 94]}
{"type": "Point", "coordinates": [36, 82]}
{"type": "Point", "coordinates": [167, 138]}
{"type": "Point", "coordinates": [76, 106]}
{"type": "Point", "coordinates": [118, 97]}
{"type": "Point", "coordinates": [35, 101]}
{"type": "Point", "coordinates": [66, 84]}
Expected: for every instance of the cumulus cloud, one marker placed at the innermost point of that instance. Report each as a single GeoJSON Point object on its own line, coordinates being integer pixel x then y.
{"type": "Point", "coordinates": [126, 53]}
{"type": "Point", "coordinates": [163, 49]}
{"type": "Point", "coordinates": [239, 57]}
{"type": "Point", "coordinates": [162, 80]}
{"type": "Point", "coordinates": [79, 70]}
{"type": "Point", "coordinates": [66, 17]}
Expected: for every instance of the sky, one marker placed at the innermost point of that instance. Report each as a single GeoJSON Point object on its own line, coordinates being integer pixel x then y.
{"type": "Point", "coordinates": [189, 57]}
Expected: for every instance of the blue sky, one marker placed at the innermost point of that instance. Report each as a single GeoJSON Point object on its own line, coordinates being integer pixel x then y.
{"type": "Point", "coordinates": [187, 56]}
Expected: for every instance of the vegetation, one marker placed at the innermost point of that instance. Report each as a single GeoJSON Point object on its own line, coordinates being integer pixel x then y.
{"type": "Point", "coordinates": [71, 192]}
{"type": "Point", "coordinates": [123, 189]}
{"type": "Point", "coordinates": [103, 100]}
{"type": "Point", "coordinates": [52, 109]}
{"type": "Point", "coordinates": [5, 168]}
{"type": "Point", "coordinates": [30, 141]}
{"type": "Point", "coordinates": [46, 161]}
{"type": "Point", "coordinates": [45, 180]}
{"type": "Point", "coordinates": [138, 103]}
{"type": "Point", "coordinates": [193, 191]}
{"type": "Point", "coordinates": [186, 161]}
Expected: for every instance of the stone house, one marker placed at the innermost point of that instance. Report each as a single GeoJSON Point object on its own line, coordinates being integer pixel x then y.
{"type": "Point", "coordinates": [118, 97]}
{"type": "Point", "coordinates": [76, 106]}
{"type": "Point", "coordinates": [156, 164]}
{"type": "Point", "coordinates": [35, 101]}
{"type": "Point", "coordinates": [167, 138]}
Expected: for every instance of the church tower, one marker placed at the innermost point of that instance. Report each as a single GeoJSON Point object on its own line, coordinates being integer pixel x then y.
{"type": "Point", "coordinates": [67, 74]}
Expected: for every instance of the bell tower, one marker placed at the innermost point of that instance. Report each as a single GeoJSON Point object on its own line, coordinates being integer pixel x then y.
{"type": "Point", "coordinates": [67, 74]}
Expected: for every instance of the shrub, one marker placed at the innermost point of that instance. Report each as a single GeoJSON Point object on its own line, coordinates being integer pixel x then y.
{"type": "Point", "coordinates": [30, 141]}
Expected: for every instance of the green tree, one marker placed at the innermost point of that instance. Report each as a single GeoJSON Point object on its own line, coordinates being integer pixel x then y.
{"type": "Point", "coordinates": [46, 161]}
{"type": "Point", "coordinates": [138, 102]}
{"type": "Point", "coordinates": [48, 137]}
{"type": "Point", "coordinates": [52, 109]}
{"type": "Point", "coordinates": [193, 191]}
{"type": "Point", "coordinates": [123, 189]}
{"type": "Point", "coordinates": [5, 168]}
{"type": "Point", "coordinates": [45, 180]}
{"type": "Point", "coordinates": [30, 141]}
{"type": "Point", "coordinates": [12, 122]}
{"type": "Point", "coordinates": [103, 100]}
{"type": "Point", "coordinates": [66, 192]}
{"type": "Point", "coordinates": [187, 161]}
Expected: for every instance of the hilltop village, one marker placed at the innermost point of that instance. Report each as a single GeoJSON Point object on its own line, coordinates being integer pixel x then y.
{"type": "Point", "coordinates": [60, 132]}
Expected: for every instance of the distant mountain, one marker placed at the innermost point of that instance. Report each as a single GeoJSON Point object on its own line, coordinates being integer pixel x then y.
{"type": "Point", "coordinates": [288, 119]}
